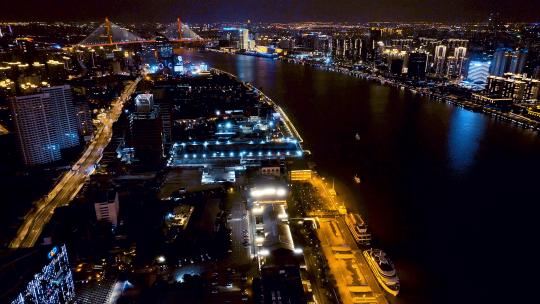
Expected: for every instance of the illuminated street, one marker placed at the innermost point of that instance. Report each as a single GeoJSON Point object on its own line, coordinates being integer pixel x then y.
{"type": "Point", "coordinates": [71, 182]}
{"type": "Point", "coordinates": [289, 152]}
{"type": "Point", "coordinates": [355, 281]}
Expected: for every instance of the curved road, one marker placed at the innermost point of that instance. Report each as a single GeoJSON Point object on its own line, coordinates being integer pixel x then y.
{"type": "Point", "coordinates": [72, 181]}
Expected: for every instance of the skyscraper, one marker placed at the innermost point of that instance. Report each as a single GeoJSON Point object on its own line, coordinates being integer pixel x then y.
{"type": "Point", "coordinates": [107, 206]}
{"type": "Point", "coordinates": [44, 124]}
{"type": "Point", "coordinates": [65, 116]}
{"type": "Point", "coordinates": [439, 58]}
{"type": "Point", "coordinates": [506, 60]}
{"type": "Point", "coordinates": [35, 132]}
{"type": "Point", "coordinates": [518, 61]}
{"type": "Point", "coordinates": [477, 73]}
{"type": "Point", "coordinates": [244, 39]}
{"type": "Point", "coordinates": [501, 61]}
{"type": "Point", "coordinates": [54, 284]}
{"type": "Point", "coordinates": [147, 131]}
{"type": "Point", "coordinates": [417, 64]}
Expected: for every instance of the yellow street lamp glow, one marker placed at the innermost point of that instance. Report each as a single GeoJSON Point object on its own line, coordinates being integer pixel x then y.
{"type": "Point", "coordinates": [270, 191]}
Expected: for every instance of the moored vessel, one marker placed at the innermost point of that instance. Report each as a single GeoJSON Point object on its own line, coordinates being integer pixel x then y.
{"type": "Point", "coordinates": [383, 269]}
{"type": "Point", "coordinates": [358, 229]}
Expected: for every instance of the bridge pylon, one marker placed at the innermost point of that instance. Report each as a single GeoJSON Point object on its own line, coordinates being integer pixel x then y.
{"type": "Point", "coordinates": [179, 27]}
{"type": "Point", "coordinates": [109, 32]}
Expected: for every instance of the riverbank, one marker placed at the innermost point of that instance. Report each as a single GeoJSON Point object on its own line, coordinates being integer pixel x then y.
{"type": "Point", "coordinates": [354, 279]}
{"type": "Point", "coordinates": [430, 93]}
{"type": "Point", "coordinates": [433, 174]}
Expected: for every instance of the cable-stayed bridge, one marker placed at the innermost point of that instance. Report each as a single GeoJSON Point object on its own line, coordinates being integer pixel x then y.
{"type": "Point", "coordinates": [109, 34]}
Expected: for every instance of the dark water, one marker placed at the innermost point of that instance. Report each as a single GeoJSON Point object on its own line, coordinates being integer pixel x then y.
{"type": "Point", "coordinates": [450, 194]}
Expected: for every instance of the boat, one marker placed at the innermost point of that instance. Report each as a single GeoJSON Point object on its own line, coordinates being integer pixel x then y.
{"type": "Point", "coordinates": [358, 229]}
{"type": "Point", "coordinates": [357, 179]}
{"type": "Point", "coordinates": [383, 269]}
{"type": "Point", "coordinates": [357, 136]}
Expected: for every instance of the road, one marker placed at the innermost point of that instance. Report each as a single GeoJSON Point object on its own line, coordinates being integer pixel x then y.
{"type": "Point", "coordinates": [333, 233]}
{"type": "Point", "coordinates": [72, 181]}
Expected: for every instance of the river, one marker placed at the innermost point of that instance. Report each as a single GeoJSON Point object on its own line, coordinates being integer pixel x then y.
{"type": "Point", "coordinates": [450, 194]}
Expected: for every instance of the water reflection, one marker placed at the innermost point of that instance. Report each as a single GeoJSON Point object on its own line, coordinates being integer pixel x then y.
{"type": "Point", "coordinates": [466, 131]}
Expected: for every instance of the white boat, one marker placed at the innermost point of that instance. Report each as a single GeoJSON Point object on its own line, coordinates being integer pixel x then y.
{"type": "Point", "coordinates": [357, 179]}
{"type": "Point", "coordinates": [358, 229]}
{"type": "Point", "coordinates": [383, 269]}
{"type": "Point", "coordinates": [357, 136]}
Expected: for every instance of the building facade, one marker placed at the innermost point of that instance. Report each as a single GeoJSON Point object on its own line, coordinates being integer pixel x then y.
{"type": "Point", "coordinates": [45, 123]}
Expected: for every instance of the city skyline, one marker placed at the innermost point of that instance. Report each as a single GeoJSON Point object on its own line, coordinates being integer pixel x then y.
{"type": "Point", "coordinates": [258, 162]}
{"type": "Point", "coordinates": [272, 11]}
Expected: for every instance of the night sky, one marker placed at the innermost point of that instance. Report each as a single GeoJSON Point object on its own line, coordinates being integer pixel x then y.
{"type": "Point", "coordinates": [269, 10]}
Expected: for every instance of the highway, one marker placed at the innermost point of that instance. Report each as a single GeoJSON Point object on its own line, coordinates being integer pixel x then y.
{"type": "Point", "coordinates": [71, 181]}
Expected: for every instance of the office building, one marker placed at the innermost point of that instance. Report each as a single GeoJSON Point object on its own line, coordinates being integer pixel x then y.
{"type": "Point", "coordinates": [417, 64]}
{"type": "Point", "coordinates": [454, 43]}
{"type": "Point", "coordinates": [84, 119]}
{"type": "Point", "coordinates": [65, 118]}
{"type": "Point", "coordinates": [45, 123]}
{"type": "Point", "coordinates": [519, 57]}
{"type": "Point", "coordinates": [144, 102]}
{"type": "Point", "coordinates": [506, 60]}
{"type": "Point", "coordinates": [53, 285]}
{"type": "Point", "coordinates": [439, 59]}
{"type": "Point", "coordinates": [244, 39]}
{"type": "Point", "coordinates": [36, 134]}
{"type": "Point", "coordinates": [107, 206]}
{"type": "Point", "coordinates": [395, 60]}
{"type": "Point", "coordinates": [477, 73]}
{"type": "Point", "coordinates": [56, 71]}
{"type": "Point", "coordinates": [375, 36]}
{"type": "Point", "coordinates": [147, 131]}
{"type": "Point", "coordinates": [516, 87]}
{"type": "Point", "coordinates": [342, 47]}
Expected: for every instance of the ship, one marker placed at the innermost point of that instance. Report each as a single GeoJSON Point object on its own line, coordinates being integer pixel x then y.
{"type": "Point", "coordinates": [358, 229]}
{"type": "Point", "coordinates": [383, 269]}
{"type": "Point", "coordinates": [357, 179]}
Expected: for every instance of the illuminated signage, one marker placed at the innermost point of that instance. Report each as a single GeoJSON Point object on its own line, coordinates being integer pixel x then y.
{"type": "Point", "coordinates": [53, 252]}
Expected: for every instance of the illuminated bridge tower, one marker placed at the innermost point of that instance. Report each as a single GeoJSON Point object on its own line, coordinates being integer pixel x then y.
{"type": "Point", "coordinates": [179, 24]}
{"type": "Point", "coordinates": [109, 32]}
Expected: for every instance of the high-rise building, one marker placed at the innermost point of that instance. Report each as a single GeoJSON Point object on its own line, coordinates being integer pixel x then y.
{"type": "Point", "coordinates": [107, 207]}
{"type": "Point", "coordinates": [343, 47]}
{"type": "Point", "coordinates": [439, 59]}
{"type": "Point", "coordinates": [455, 43]}
{"type": "Point", "coordinates": [54, 284]}
{"type": "Point", "coordinates": [460, 52]}
{"type": "Point", "coordinates": [477, 73]}
{"type": "Point", "coordinates": [56, 71]}
{"type": "Point", "coordinates": [513, 86]}
{"type": "Point", "coordinates": [506, 60]}
{"type": "Point", "coordinates": [144, 102]}
{"type": "Point", "coordinates": [440, 51]}
{"type": "Point", "coordinates": [417, 64]}
{"type": "Point", "coordinates": [396, 59]}
{"type": "Point", "coordinates": [501, 61]}
{"type": "Point", "coordinates": [519, 57]}
{"type": "Point", "coordinates": [65, 120]}
{"type": "Point", "coordinates": [35, 132]}
{"type": "Point", "coordinates": [147, 131]}
{"type": "Point", "coordinates": [244, 39]}
{"type": "Point", "coordinates": [456, 64]}
{"type": "Point", "coordinates": [44, 124]}
{"type": "Point", "coordinates": [375, 35]}
{"type": "Point", "coordinates": [84, 119]}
